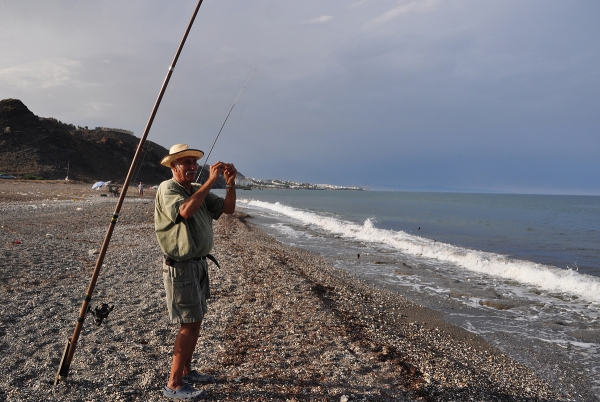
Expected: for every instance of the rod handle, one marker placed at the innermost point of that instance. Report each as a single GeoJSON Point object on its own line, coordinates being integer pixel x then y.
{"type": "Point", "coordinates": [63, 367]}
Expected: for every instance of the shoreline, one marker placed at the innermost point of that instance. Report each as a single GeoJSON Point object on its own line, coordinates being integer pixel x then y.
{"type": "Point", "coordinates": [282, 323]}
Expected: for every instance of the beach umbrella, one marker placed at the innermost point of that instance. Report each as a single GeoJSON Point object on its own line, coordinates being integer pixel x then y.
{"type": "Point", "coordinates": [98, 184]}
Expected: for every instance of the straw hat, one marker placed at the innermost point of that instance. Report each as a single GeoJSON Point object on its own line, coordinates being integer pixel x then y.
{"type": "Point", "coordinates": [180, 151]}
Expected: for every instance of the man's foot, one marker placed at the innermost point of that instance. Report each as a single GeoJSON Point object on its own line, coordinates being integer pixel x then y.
{"type": "Point", "coordinates": [198, 378]}
{"type": "Point", "coordinates": [186, 393]}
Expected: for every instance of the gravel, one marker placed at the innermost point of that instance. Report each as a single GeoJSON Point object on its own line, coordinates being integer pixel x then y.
{"type": "Point", "coordinates": [283, 325]}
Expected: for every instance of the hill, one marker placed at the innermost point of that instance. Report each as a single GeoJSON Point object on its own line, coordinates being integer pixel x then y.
{"type": "Point", "coordinates": [46, 148]}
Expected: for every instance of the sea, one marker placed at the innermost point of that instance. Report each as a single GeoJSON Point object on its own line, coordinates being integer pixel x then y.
{"type": "Point", "coordinates": [521, 271]}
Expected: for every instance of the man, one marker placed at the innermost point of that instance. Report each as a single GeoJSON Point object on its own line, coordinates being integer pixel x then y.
{"type": "Point", "coordinates": [141, 189]}
{"type": "Point", "coordinates": [183, 217]}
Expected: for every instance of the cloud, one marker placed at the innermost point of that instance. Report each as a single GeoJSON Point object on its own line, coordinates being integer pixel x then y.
{"type": "Point", "coordinates": [430, 84]}
{"type": "Point", "coordinates": [320, 20]}
{"type": "Point", "coordinates": [403, 7]}
{"type": "Point", "coordinates": [42, 74]}
{"type": "Point", "coordinates": [359, 3]}
{"type": "Point", "coordinates": [101, 106]}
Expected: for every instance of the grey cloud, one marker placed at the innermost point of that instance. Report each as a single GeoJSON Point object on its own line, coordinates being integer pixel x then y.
{"type": "Point", "coordinates": [444, 93]}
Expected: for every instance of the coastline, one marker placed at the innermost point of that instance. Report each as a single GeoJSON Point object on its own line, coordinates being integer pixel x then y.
{"type": "Point", "coordinates": [282, 323]}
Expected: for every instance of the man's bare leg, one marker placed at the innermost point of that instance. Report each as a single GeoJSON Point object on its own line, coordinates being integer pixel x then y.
{"type": "Point", "coordinates": [185, 343]}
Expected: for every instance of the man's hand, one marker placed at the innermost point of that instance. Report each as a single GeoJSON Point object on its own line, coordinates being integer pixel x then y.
{"type": "Point", "coordinates": [230, 173]}
{"type": "Point", "coordinates": [189, 207]}
{"type": "Point", "coordinates": [214, 172]}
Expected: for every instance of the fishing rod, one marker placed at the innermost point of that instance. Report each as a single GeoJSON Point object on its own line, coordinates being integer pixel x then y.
{"type": "Point", "coordinates": [217, 137]}
{"type": "Point", "coordinates": [139, 169]}
{"type": "Point", "coordinates": [69, 351]}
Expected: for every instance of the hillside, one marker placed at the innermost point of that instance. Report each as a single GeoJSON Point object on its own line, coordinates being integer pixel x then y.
{"type": "Point", "coordinates": [32, 146]}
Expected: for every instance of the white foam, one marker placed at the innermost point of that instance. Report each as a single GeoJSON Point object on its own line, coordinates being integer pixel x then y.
{"type": "Point", "coordinates": [566, 343]}
{"type": "Point", "coordinates": [545, 278]}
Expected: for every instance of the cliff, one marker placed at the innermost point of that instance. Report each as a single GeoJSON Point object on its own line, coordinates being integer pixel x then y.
{"type": "Point", "coordinates": [45, 148]}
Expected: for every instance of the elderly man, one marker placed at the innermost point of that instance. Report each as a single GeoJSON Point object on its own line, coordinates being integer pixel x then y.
{"type": "Point", "coordinates": [183, 217]}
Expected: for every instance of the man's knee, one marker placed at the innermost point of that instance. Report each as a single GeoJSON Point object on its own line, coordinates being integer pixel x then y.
{"type": "Point", "coordinates": [191, 326]}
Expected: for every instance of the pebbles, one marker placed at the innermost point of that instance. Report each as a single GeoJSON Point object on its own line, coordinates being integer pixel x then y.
{"type": "Point", "coordinates": [282, 324]}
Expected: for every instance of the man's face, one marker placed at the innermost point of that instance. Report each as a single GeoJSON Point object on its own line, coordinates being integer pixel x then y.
{"type": "Point", "coordinates": [185, 169]}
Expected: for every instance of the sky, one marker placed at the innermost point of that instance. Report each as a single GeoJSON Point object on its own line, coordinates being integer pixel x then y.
{"type": "Point", "coordinates": [417, 95]}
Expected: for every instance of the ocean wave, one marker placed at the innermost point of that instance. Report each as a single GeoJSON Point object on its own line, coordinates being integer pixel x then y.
{"type": "Point", "coordinates": [543, 277]}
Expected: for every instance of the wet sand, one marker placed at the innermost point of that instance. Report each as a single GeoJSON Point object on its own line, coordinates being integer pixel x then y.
{"type": "Point", "coordinates": [282, 324]}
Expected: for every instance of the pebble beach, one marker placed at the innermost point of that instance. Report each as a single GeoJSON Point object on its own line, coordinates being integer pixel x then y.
{"type": "Point", "coordinates": [283, 325]}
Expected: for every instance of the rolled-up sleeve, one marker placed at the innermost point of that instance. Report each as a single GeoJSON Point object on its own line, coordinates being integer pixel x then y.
{"type": "Point", "coordinates": [214, 205]}
{"type": "Point", "coordinates": [170, 202]}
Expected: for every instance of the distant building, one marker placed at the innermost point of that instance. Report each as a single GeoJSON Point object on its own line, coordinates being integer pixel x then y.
{"type": "Point", "coordinates": [118, 130]}
{"type": "Point", "coordinates": [243, 182]}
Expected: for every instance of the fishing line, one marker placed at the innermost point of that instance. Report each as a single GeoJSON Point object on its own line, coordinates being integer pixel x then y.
{"type": "Point", "coordinates": [236, 99]}
{"type": "Point", "coordinates": [244, 103]}
{"type": "Point", "coordinates": [217, 137]}
{"type": "Point", "coordinates": [141, 162]}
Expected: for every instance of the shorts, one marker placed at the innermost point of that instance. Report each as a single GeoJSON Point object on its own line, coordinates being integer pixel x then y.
{"type": "Point", "coordinates": [187, 288]}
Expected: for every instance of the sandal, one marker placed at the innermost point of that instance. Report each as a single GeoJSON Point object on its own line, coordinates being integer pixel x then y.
{"type": "Point", "coordinates": [186, 393]}
{"type": "Point", "coordinates": [198, 378]}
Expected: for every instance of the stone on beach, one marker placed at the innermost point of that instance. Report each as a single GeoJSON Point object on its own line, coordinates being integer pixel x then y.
{"type": "Point", "coordinates": [282, 323]}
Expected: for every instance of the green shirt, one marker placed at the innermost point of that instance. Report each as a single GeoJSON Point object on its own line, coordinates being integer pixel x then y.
{"type": "Point", "coordinates": [179, 238]}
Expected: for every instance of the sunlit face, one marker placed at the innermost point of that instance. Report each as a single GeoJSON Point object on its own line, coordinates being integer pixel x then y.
{"type": "Point", "coordinates": [184, 170]}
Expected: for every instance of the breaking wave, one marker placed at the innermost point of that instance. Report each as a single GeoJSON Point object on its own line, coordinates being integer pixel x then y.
{"type": "Point", "coordinates": [543, 277]}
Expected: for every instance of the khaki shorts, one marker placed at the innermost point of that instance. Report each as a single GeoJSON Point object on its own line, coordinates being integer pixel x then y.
{"type": "Point", "coordinates": [187, 288]}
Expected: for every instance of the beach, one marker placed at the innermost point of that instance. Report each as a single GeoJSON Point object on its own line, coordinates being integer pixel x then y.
{"type": "Point", "coordinates": [283, 324]}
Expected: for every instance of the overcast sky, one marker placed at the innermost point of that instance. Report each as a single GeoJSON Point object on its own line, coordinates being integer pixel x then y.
{"type": "Point", "coordinates": [385, 94]}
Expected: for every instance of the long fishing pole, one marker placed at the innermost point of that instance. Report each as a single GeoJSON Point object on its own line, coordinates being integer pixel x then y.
{"type": "Point", "coordinates": [217, 137]}
{"type": "Point", "coordinates": [69, 351]}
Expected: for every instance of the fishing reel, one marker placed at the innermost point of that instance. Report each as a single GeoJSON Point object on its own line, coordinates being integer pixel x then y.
{"type": "Point", "coordinates": [100, 313]}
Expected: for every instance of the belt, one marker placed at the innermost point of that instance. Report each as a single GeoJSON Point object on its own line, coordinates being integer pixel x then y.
{"type": "Point", "coordinates": [171, 262]}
